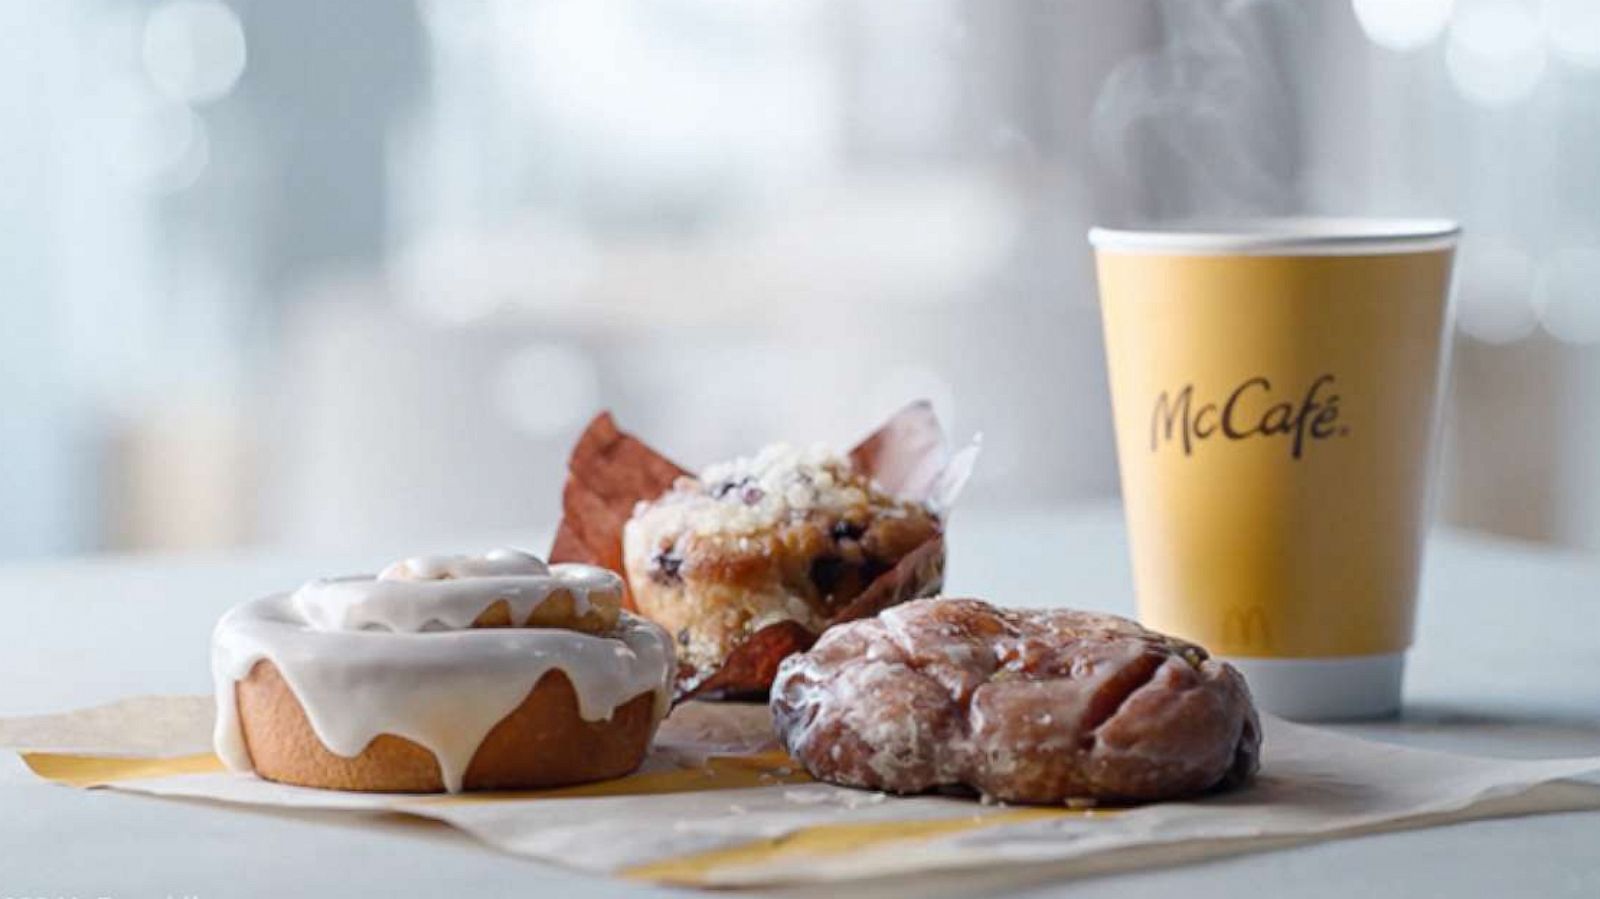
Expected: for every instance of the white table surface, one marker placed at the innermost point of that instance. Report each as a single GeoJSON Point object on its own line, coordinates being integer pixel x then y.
{"type": "Point", "coordinates": [1508, 663]}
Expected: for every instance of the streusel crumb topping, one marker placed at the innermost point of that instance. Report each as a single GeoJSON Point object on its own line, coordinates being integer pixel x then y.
{"type": "Point", "coordinates": [780, 483]}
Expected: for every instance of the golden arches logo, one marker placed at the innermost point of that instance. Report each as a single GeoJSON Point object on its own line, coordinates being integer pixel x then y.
{"type": "Point", "coordinates": [1247, 627]}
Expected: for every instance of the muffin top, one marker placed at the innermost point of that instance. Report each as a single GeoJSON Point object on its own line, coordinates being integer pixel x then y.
{"type": "Point", "coordinates": [805, 504]}
{"type": "Point", "coordinates": [779, 484]}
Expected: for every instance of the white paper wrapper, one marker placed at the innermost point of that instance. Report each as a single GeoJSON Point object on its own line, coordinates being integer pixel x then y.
{"type": "Point", "coordinates": [718, 805]}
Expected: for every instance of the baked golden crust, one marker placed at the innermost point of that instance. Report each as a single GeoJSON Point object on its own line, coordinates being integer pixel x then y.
{"type": "Point", "coordinates": [1045, 706]}
{"type": "Point", "coordinates": [543, 742]}
{"type": "Point", "coordinates": [560, 610]}
{"type": "Point", "coordinates": [784, 537]}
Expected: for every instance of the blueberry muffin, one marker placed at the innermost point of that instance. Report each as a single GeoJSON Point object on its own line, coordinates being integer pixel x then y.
{"type": "Point", "coordinates": [794, 537]}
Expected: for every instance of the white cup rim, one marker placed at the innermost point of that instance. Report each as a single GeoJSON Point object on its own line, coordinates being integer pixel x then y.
{"type": "Point", "coordinates": [1282, 236]}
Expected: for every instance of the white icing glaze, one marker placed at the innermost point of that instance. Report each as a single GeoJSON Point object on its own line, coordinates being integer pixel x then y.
{"type": "Point", "coordinates": [363, 663]}
{"type": "Point", "coordinates": [446, 592]}
{"type": "Point", "coordinates": [496, 562]}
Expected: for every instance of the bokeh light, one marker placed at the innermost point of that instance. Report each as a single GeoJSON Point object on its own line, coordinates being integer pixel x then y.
{"type": "Point", "coordinates": [1572, 28]}
{"type": "Point", "coordinates": [1495, 291]}
{"type": "Point", "coordinates": [645, 103]}
{"type": "Point", "coordinates": [1402, 24]}
{"type": "Point", "coordinates": [537, 266]}
{"type": "Point", "coordinates": [194, 50]}
{"type": "Point", "coordinates": [149, 142]}
{"type": "Point", "coordinates": [1495, 51]}
{"type": "Point", "coordinates": [546, 389]}
{"type": "Point", "coordinates": [1567, 295]}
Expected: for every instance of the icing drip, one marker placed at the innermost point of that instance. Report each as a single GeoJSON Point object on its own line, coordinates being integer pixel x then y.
{"type": "Point", "coordinates": [446, 593]}
{"type": "Point", "coordinates": [500, 561]}
{"type": "Point", "coordinates": [394, 655]}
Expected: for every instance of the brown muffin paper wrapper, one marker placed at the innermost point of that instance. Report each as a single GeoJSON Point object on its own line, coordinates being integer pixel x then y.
{"type": "Point", "coordinates": [612, 471]}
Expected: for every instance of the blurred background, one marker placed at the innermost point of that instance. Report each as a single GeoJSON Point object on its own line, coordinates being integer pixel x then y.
{"type": "Point", "coordinates": [311, 273]}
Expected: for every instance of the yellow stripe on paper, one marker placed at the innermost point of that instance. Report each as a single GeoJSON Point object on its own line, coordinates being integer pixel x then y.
{"type": "Point", "coordinates": [718, 773]}
{"type": "Point", "coordinates": [98, 770]}
{"type": "Point", "coordinates": [725, 772]}
{"type": "Point", "coordinates": [832, 839]}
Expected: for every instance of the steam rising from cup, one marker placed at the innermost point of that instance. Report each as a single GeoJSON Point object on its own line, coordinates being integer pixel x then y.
{"type": "Point", "coordinates": [1204, 125]}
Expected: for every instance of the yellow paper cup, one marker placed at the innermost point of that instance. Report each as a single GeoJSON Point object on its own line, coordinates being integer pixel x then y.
{"type": "Point", "coordinates": [1276, 389]}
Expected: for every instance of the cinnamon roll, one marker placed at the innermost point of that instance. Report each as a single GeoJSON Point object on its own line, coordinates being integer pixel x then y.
{"type": "Point", "coordinates": [442, 673]}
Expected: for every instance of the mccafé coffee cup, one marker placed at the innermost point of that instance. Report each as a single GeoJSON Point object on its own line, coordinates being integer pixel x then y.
{"type": "Point", "coordinates": [1276, 389]}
